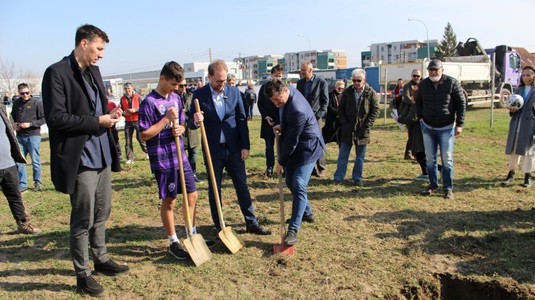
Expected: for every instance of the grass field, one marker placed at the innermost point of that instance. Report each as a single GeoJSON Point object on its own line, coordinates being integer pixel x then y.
{"type": "Point", "coordinates": [379, 241]}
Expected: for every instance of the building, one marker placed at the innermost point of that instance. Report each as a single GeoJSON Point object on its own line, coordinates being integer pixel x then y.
{"type": "Point", "coordinates": [320, 59]}
{"type": "Point", "coordinates": [397, 52]}
{"type": "Point", "coordinates": [144, 82]}
{"type": "Point", "coordinates": [253, 67]}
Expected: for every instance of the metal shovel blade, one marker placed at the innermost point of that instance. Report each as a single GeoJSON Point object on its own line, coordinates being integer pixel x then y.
{"type": "Point", "coordinates": [283, 249]}
{"type": "Point", "coordinates": [231, 239]}
{"type": "Point", "coordinates": [197, 249]}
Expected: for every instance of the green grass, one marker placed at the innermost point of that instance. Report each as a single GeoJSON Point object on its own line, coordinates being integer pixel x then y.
{"type": "Point", "coordinates": [381, 241]}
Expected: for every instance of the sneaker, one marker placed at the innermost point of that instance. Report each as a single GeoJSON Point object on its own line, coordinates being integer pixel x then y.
{"type": "Point", "coordinates": [27, 228]}
{"type": "Point", "coordinates": [38, 187]}
{"type": "Point", "coordinates": [177, 251]}
{"type": "Point", "coordinates": [527, 180]}
{"type": "Point", "coordinates": [429, 191]}
{"type": "Point", "coordinates": [209, 243]}
{"type": "Point", "coordinates": [448, 195]}
{"type": "Point", "coordinates": [306, 218]}
{"type": "Point", "coordinates": [423, 177]}
{"type": "Point", "coordinates": [88, 285]}
{"type": "Point", "coordinates": [111, 268]}
{"type": "Point", "coordinates": [291, 237]}
{"type": "Point", "coordinates": [509, 179]}
{"type": "Point", "coordinates": [23, 190]}
{"type": "Point", "coordinates": [130, 161]}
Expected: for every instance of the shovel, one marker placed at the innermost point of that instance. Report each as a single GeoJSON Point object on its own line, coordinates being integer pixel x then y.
{"type": "Point", "coordinates": [281, 248]}
{"type": "Point", "coordinates": [194, 243]}
{"type": "Point", "coordinates": [228, 236]}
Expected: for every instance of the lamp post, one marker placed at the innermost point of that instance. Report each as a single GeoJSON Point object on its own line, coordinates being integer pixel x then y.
{"type": "Point", "coordinates": [300, 35]}
{"type": "Point", "coordinates": [426, 35]}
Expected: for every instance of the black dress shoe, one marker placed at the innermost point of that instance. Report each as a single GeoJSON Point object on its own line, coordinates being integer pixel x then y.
{"type": "Point", "coordinates": [196, 179]}
{"type": "Point", "coordinates": [88, 285]}
{"type": "Point", "coordinates": [257, 229]}
{"type": "Point", "coordinates": [111, 268]}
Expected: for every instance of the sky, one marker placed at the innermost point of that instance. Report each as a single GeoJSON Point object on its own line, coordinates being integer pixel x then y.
{"type": "Point", "coordinates": [146, 34]}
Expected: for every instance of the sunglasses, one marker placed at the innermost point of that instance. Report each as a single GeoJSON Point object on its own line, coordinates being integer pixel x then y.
{"type": "Point", "coordinates": [24, 93]}
{"type": "Point", "coordinates": [182, 85]}
{"type": "Point", "coordinates": [357, 80]}
{"type": "Point", "coordinates": [416, 76]}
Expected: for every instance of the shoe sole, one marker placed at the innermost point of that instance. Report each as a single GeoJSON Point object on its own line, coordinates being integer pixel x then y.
{"type": "Point", "coordinates": [110, 273]}
{"type": "Point", "coordinates": [178, 257]}
{"type": "Point", "coordinates": [82, 292]}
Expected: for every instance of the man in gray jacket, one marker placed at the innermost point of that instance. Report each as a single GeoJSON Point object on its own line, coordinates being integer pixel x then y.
{"type": "Point", "coordinates": [440, 106]}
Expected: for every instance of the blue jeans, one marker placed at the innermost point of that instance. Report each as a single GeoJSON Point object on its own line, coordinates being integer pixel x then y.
{"type": "Point", "coordinates": [433, 139]}
{"type": "Point", "coordinates": [343, 158]}
{"type": "Point", "coordinates": [297, 181]}
{"type": "Point", "coordinates": [30, 145]}
{"type": "Point", "coordinates": [222, 158]}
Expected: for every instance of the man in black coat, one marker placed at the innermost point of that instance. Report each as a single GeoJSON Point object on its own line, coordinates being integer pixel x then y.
{"type": "Point", "coordinates": [316, 91]}
{"type": "Point", "coordinates": [270, 117]}
{"type": "Point", "coordinates": [82, 151]}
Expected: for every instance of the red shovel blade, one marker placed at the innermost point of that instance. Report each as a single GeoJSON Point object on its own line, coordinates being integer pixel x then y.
{"type": "Point", "coordinates": [283, 249]}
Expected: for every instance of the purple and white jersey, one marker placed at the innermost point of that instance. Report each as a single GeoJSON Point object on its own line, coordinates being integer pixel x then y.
{"type": "Point", "coordinates": [161, 148]}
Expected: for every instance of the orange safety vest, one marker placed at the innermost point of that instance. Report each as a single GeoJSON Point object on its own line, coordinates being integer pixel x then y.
{"type": "Point", "coordinates": [135, 104]}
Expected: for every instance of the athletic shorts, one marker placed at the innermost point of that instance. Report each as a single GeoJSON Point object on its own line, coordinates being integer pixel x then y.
{"type": "Point", "coordinates": [169, 183]}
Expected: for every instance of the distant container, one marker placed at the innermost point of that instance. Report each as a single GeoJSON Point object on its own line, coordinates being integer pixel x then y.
{"type": "Point", "coordinates": [372, 77]}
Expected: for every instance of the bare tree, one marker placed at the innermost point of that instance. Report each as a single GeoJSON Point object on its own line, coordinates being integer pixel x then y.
{"type": "Point", "coordinates": [10, 77]}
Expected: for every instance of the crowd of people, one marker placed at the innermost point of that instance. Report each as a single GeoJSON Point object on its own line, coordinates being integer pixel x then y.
{"type": "Point", "coordinates": [84, 148]}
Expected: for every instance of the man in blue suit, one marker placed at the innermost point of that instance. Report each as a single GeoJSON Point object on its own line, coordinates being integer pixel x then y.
{"type": "Point", "coordinates": [228, 139]}
{"type": "Point", "coordinates": [301, 146]}
{"type": "Point", "coordinates": [316, 92]}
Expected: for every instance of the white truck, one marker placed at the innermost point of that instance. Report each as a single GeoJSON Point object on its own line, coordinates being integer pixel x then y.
{"type": "Point", "coordinates": [475, 72]}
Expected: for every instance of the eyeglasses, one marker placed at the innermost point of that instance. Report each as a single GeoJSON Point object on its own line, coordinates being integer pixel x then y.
{"type": "Point", "coordinates": [182, 85]}
{"type": "Point", "coordinates": [24, 93]}
{"type": "Point", "coordinates": [357, 80]}
{"type": "Point", "coordinates": [416, 76]}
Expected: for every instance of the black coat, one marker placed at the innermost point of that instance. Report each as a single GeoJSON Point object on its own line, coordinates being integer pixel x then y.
{"type": "Point", "coordinates": [331, 129]}
{"type": "Point", "coordinates": [318, 98]}
{"type": "Point", "coordinates": [355, 124]}
{"type": "Point", "coordinates": [68, 114]}
{"type": "Point", "coordinates": [267, 108]}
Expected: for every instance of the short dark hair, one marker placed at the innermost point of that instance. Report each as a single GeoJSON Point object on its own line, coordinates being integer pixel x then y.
{"type": "Point", "coordinates": [277, 68]}
{"type": "Point", "coordinates": [275, 86]}
{"type": "Point", "coordinates": [172, 70]}
{"type": "Point", "coordinates": [89, 32]}
{"type": "Point", "coordinates": [22, 86]}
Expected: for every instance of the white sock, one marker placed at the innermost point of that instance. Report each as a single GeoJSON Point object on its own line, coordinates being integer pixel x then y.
{"type": "Point", "coordinates": [193, 230]}
{"type": "Point", "coordinates": [172, 238]}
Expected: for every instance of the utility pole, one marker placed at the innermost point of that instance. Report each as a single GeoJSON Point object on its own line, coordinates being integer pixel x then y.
{"type": "Point", "coordinates": [210, 54]}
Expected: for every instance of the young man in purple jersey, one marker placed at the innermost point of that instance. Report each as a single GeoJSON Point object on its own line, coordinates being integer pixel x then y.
{"type": "Point", "coordinates": [156, 113]}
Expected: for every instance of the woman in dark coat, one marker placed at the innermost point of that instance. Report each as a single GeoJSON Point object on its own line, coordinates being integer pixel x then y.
{"type": "Point", "coordinates": [330, 130]}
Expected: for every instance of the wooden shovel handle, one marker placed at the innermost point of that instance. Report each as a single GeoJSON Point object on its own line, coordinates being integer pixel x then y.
{"type": "Point", "coordinates": [189, 224]}
{"type": "Point", "coordinates": [281, 192]}
{"type": "Point", "coordinates": [210, 167]}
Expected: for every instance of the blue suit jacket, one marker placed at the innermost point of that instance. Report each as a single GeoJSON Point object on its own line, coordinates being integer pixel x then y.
{"type": "Point", "coordinates": [234, 123]}
{"type": "Point", "coordinates": [302, 142]}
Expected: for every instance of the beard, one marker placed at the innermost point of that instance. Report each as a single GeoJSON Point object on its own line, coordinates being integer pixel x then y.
{"type": "Point", "coordinates": [435, 78]}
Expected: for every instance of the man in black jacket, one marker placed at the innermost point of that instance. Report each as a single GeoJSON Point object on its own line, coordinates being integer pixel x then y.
{"type": "Point", "coordinates": [440, 106]}
{"type": "Point", "coordinates": [316, 91]}
{"type": "Point", "coordinates": [82, 151]}
{"type": "Point", "coordinates": [28, 117]}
